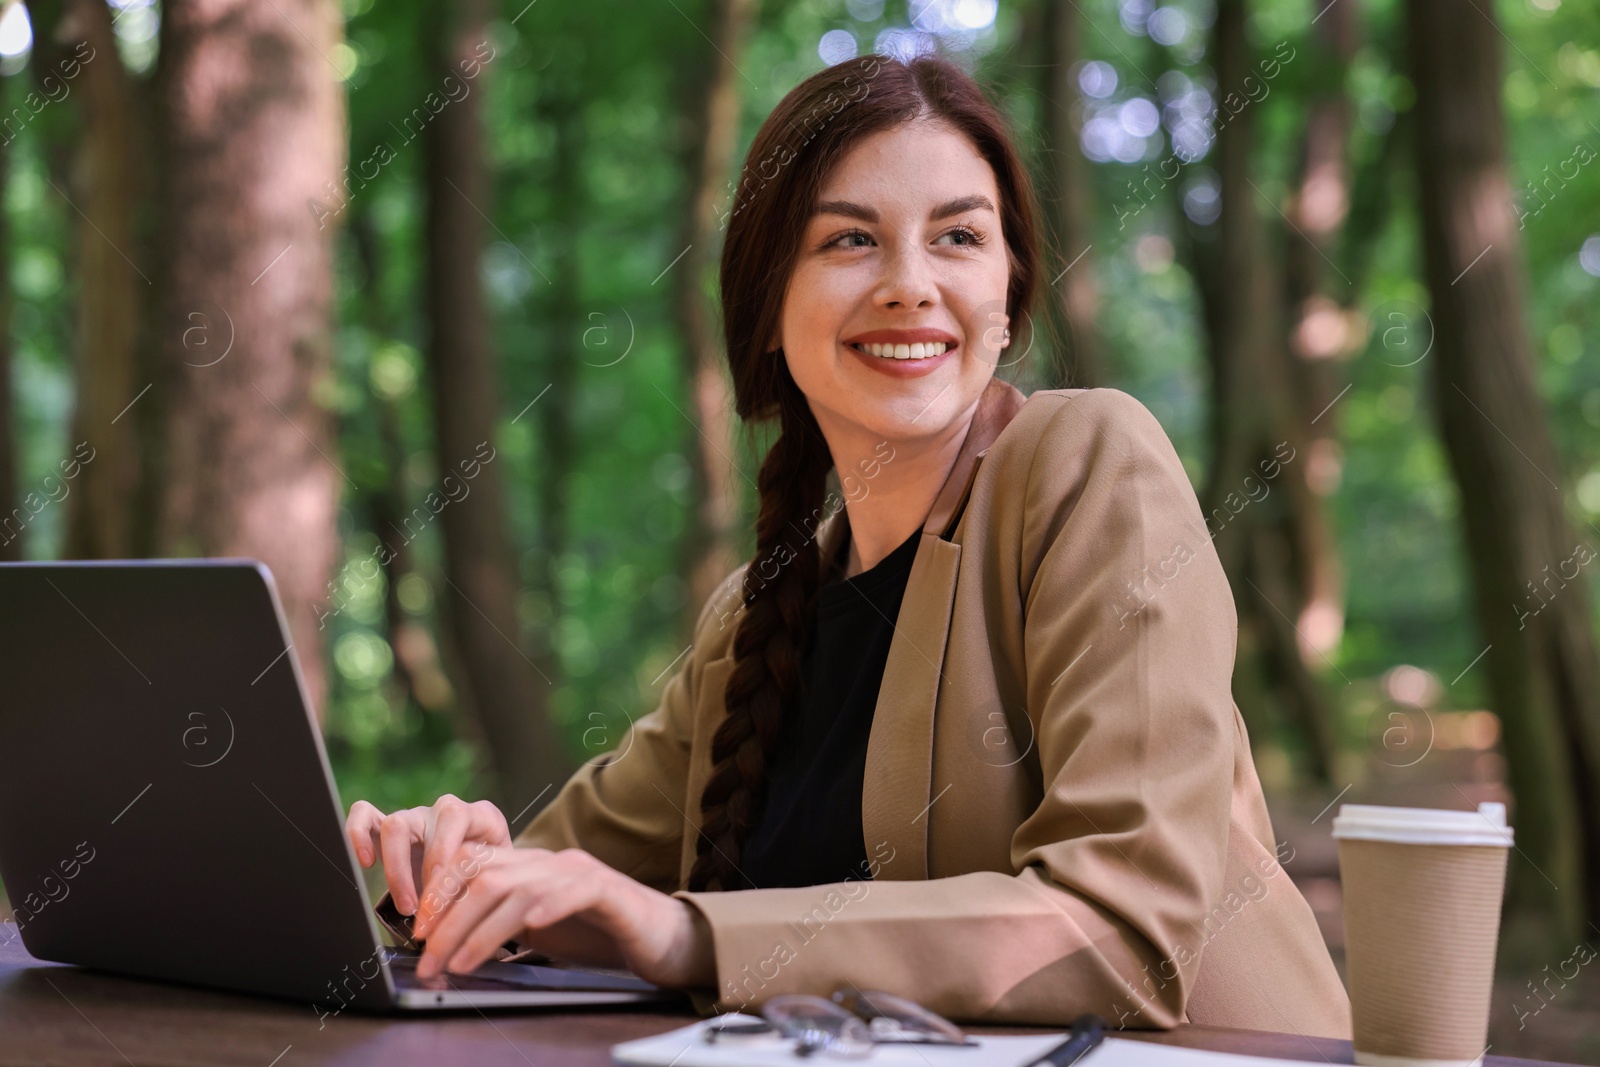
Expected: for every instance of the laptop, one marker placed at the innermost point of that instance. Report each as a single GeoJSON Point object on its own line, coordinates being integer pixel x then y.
{"type": "Point", "coordinates": [167, 810]}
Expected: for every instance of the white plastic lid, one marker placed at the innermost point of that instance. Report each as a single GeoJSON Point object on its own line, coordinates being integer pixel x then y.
{"type": "Point", "coordinates": [1424, 826]}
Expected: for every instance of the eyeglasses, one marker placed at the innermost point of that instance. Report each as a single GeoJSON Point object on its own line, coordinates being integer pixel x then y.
{"type": "Point", "coordinates": [849, 1026]}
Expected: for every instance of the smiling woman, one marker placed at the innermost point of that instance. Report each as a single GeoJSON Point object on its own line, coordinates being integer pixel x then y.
{"type": "Point", "coordinates": [929, 750]}
{"type": "Point", "coordinates": [907, 219]}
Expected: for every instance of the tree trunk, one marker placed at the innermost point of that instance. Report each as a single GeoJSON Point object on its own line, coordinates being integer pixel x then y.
{"type": "Point", "coordinates": [711, 542]}
{"type": "Point", "coordinates": [1076, 302]}
{"type": "Point", "coordinates": [55, 130]}
{"type": "Point", "coordinates": [1530, 595]}
{"type": "Point", "coordinates": [253, 124]}
{"type": "Point", "coordinates": [561, 106]}
{"type": "Point", "coordinates": [1255, 438]}
{"type": "Point", "coordinates": [1318, 338]}
{"type": "Point", "coordinates": [112, 286]}
{"type": "Point", "coordinates": [417, 669]}
{"type": "Point", "coordinates": [507, 692]}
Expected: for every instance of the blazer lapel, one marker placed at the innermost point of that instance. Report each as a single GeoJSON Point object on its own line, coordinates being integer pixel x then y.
{"type": "Point", "coordinates": [896, 800]}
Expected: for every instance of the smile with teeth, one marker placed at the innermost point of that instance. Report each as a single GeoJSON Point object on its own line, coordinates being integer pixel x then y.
{"type": "Point", "coordinates": [916, 351]}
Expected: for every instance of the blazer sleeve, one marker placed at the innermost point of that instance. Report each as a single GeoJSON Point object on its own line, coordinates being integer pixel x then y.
{"type": "Point", "coordinates": [1128, 639]}
{"type": "Point", "coordinates": [625, 805]}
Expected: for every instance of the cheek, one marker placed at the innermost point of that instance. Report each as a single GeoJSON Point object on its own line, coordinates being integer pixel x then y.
{"type": "Point", "coordinates": [814, 312]}
{"type": "Point", "coordinates": [996, 279]}
{"type": "Point", "coordinates": [975, 289]}
{"type": "Point", "coordinates": [802, 332]}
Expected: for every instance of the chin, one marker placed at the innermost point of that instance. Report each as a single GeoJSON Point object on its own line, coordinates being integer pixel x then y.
{"type": "Point", "coordinates": [888, 407]}
{"type": "Point", "coordinates": [915, 416]}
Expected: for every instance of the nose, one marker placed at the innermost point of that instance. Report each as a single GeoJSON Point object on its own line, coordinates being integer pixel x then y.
{"type": "Point", "coordinates": [908, 281]}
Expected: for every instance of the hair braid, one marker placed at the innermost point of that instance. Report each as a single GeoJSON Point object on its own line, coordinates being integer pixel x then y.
{"type": "Point", "coordinates": [779, 587]}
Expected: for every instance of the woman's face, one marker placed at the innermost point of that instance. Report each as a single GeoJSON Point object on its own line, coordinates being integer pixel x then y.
{"type": "Point", "coordinates": [903, 255]}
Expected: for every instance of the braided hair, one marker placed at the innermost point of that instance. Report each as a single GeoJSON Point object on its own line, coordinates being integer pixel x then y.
{"type": "Point", "coordinates": [805, 137]}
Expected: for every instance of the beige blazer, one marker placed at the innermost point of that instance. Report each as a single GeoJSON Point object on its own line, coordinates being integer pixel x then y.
{"type": "Point", "coordinates": [1060, 809]}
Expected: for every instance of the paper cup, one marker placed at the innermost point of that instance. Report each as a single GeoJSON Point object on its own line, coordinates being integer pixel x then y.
{"type": "Point", "coordinates": [1422, 890]}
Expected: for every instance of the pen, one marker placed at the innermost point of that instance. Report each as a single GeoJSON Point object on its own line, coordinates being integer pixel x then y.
{"type": "Point", "coordinates": [1087, 1030]}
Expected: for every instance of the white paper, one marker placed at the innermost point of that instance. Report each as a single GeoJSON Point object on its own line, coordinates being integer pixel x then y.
{"type": "Point", "coordinates": [687, 1047]}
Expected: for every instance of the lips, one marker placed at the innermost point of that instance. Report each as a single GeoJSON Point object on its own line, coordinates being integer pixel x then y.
{"type": "Point", "coordinates": [902, 368]}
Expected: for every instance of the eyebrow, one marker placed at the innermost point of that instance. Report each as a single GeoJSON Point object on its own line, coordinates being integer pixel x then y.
{"type": "Point", "coordinates": [850, 209]}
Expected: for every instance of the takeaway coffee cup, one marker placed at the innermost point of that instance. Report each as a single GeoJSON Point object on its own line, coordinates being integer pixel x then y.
{"type": "Point", "coordinates": [1422, 890]}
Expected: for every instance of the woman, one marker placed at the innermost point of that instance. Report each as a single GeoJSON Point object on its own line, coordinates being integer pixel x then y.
{"type": "Point", "coordinates": [962, 730]}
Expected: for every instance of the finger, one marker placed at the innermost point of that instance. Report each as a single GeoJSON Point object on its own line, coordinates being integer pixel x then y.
{"type": "Point", "coordinates": [361, 827]}
{"type": "Point", "coordinates": [399, 832]}
{"type": "Point", "coordinates": [452, 879]}
{"type": "Point", "coordinates": [489, 823]}
{"type": "Point", "coordinates": [456, 823]}
{"type": "Point", "coordinates": [480, 944]}
{"type": "Point", "coordinates": [460, 867]}
{"type": "Point", "coordinates": [573, 906]}
{"type": "Point", "coordinates": [571, 887]}
{"type": "Point", "coordinates": [452, 822]}
{"type": "Point", "coordinates": [448, 918]}
{"type": "Point", "coordinates": [575, 888]}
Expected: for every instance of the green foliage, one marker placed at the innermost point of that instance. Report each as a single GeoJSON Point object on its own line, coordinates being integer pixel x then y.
{"type": "Point", "coordinates": [573, 274]}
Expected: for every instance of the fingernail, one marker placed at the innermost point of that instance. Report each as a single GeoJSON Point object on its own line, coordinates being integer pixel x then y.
{"type": "Point", "coordinates": [425, 967]}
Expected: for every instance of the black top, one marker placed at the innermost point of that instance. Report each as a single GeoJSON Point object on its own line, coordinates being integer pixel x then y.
{"type": "Point", "coordinates": [809, 832]}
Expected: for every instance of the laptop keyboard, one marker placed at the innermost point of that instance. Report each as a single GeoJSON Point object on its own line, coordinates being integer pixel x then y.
{"type": "Point", "coordinates": [500, 977]}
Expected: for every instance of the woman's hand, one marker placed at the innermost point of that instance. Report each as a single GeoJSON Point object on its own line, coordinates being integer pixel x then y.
{"type": "Point", "coordinates": [567, 904]}
{"type": "Point", "coordinates": [413, 843]}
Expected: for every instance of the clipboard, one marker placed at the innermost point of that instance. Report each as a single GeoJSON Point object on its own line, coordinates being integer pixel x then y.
{"type": "Point", "coordinates": [687, 1047]}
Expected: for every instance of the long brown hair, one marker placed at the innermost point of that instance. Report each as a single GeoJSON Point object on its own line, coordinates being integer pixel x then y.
{"type": "Point", "coordinates": [808, 133]}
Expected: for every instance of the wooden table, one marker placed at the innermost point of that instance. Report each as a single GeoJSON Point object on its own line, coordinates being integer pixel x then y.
{"type": "Point", "coordinates": [51, 1013]}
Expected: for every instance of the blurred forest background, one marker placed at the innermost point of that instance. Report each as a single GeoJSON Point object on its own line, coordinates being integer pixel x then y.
{"type": "Point", "coordinates": [416, 301]}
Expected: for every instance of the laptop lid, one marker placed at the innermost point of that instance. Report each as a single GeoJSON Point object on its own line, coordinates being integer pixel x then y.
{"type": "Point", "coordinates": [166, 805]}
